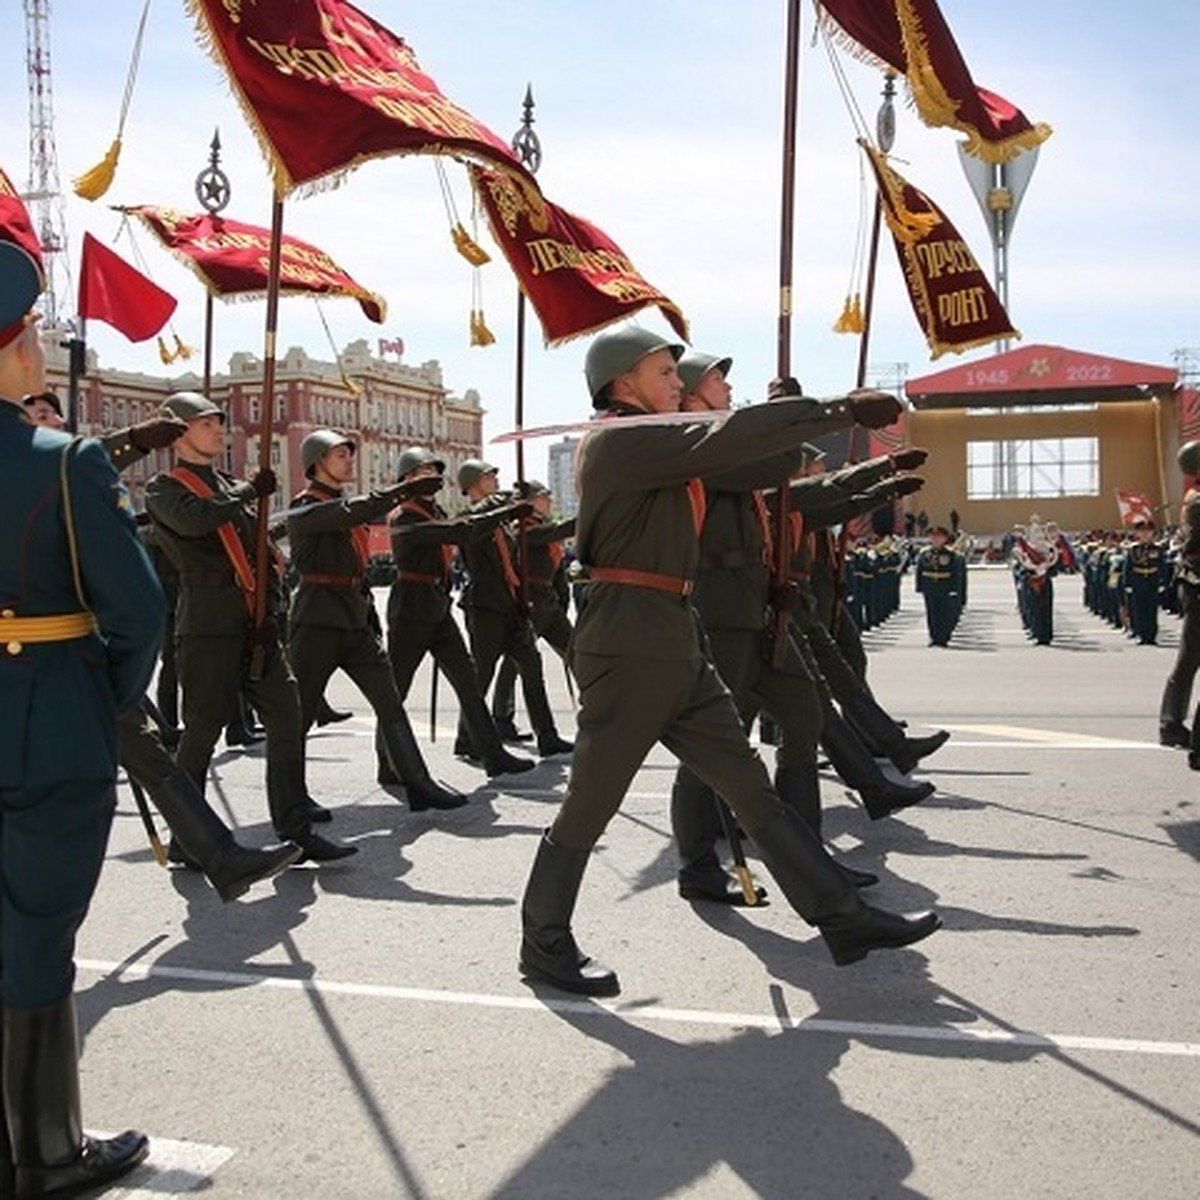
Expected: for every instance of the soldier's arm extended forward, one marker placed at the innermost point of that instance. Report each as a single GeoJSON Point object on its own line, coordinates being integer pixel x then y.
{"type": "Point", "coordinates": [453, 531]}
{"type": "Point", "coordinates": [547, 532]}
{"type": "Point", "coordinates": [822, 510]}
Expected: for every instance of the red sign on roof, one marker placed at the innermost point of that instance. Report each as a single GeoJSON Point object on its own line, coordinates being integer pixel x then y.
{"type": "Point", "coordinates": [1021, 376]}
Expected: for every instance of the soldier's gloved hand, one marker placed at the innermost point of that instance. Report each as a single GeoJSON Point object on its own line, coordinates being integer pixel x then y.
{"type": "Point", "coordinates": [264, 483]}
{"type": "Point", "coordinates": [521, 511]}
{"type": "Point", "coordinates": [157, 433]}
{"type": "Point", "coordinates": [783, 385]}
{"type": "Point", "coordinates": [783, 597]}
{"type": "Point", "coordinates": [905, 485]}
{"type": "Point", "coordinates": [872, 409]}
{"type": "Point", "coordinates": [910, 458]}
{"type": "Point", "coordinates": [423, 485]}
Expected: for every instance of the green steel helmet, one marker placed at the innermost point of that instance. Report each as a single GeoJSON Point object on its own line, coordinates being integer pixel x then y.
{"type": "Point", "coordinates": [528, 488]}
{"type": "Point", "coordinates": [416, 456]}
{"type": "Point", "coordinates": [187, 406]}
{"type": "Point", "coordinates": [612, 354]}
{"type": "Point", "coordinates": [318, 444]}
{"type": "Point", "coordinates": [472, 471]}
{"type": "Point", "coordinates": [693, 366]}
{"type": "Point", "coordinates": [1189, 458]}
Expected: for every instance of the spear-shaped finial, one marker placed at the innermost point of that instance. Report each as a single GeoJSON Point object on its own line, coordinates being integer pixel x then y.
{"type": "Point", "coordinates": [212, 184]}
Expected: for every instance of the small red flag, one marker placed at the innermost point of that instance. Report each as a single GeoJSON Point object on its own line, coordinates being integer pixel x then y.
{"type": "Point", "coordinates": [1134, 507]}
{"type": "Point", "coordinates": [112, 291]}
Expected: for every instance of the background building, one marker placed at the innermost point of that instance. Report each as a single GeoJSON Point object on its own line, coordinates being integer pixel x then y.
{"type": "Point", "coordinates": [560, 475]}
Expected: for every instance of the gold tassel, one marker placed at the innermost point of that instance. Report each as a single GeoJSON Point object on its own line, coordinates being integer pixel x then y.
{"type": "Point", "coordinates": [349, 383]}
{"type": "Point", "coordinates": [92, 184]}
{"type": "Point", "coordinates": [182, 349]}
{"type": "Point", "coordinates": [843, 323]}
{"type": "Point", "coordinates": [164, 352]}
{"type": "Point", "coordinates": [857, 324]}
{"type": "Point", "coordinates": [481, 335]}
{"type": "Point", "coordinates": [468, 247]}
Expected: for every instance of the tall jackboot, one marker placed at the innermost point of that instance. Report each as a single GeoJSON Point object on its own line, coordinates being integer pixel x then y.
{"type": "Point", "coordinates": [206, 841]}
{"type": "Point", "coordinates": [409, 765]}
{"type": "Point", "coordinates": [880, 795]}
{"type": "Point", "coordinates": [812, 885]}
{"type": "Point", "coordinates": [52, 1155]}
{"type": "Point", "coordinates": [293, 811]}
{"type": "Point", "coordinates": [696, 824]}
{"type": "Point", "coordinates": [884, 736]}
{"type": "Point", "coordinates": [549, 953]}
{"type": "Point", "coordinates": [800, 789]}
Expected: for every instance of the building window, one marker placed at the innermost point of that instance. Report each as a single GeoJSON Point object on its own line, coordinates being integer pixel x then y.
{"type": "Point", "coordinates": [255, 412]}
{"type": "Point", "coordinates": [1025, 468]}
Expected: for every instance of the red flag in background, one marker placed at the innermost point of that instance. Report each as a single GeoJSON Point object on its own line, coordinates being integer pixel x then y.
{"type": "Point", "coordinates": [326, 87]}
{"type": "Point", "coordinates": [576, 277]}
{"type": "Point", "coordinates": [15, 225]}
{"type": "Point", "coordinates": [112, 291]}
{"type": "Point", "coordinates": [955, 304]}
{"type": "Point", "coordinates": [231, 257]}
{"type": "Point", "coordinates": [912, 38]}
{"type": "Point", "coordinates": [1134, 507]}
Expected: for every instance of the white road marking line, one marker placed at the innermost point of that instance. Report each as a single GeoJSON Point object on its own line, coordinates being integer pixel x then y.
{"type": "Point", "coordinates": [1049, 736]}
{"type": "Point", "coordinates": [173, 1169]}
{"type": "Point", "coordinates": [639, 1012]}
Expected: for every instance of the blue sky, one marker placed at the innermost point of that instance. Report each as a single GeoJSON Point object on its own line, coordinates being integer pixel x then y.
{"type": "Point", "coordinates": [660, 122]}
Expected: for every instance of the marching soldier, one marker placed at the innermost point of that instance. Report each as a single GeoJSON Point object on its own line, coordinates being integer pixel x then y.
{"type": "Point", "coordinates": [639, 661]}
{"type": "Point", "coordinates": [81, 616]}
{"type": "Point", "coordinates": [496, 624]}
{"type": "Point", "coordinates": [419, 616]}
{"type": "Point", "coordinates": [204, 518]}
{"type": "Point", "coordinates": [1177, 693]}
{"type": "Point", "coordinates": [937, 580]}
{"type": "Point", "coordinates": [332, 621]}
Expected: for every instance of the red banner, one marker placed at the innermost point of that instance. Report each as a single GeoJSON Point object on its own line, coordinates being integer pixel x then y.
{"type": "Point", "coordinates": [15, 225]}
{"type": "Point", "coordinates": [112, 291]}
{"type": "Point", "coordinates": [912, 38]}
{"type": "Point", "coordinates": [575, 276]}
{"type": "Point", "coordinates": [230, 258]}
{"type": "Point", "coordinates": [326, 88]}
{"type": "Point", "coordinates": [1134, 507]}
{"type": "Point", "coordinates": [954, 302]}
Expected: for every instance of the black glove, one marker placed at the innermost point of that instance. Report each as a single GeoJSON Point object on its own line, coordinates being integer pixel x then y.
{"type": "Point", "coordinates": [910, 458]}
{"type": "Point", "coordinates": [783, 597]}
{"type": "Point", "coordinates": [905, 485]}
{"type": "Point", "coordinates": [873, 410]}
{"type": "Point", "coordinates": [263, 482]}
{"type": "Point", "coordinates": [157, 433]}
{"type": "Point", "coordinates": [783, 385]}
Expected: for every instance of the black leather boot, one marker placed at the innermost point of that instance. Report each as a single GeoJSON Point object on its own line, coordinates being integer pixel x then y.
{"type": "Point", "coordinates": [52, 1156]}
{"type": "Point", "coordinates": [810, 881]}
{"type": "Point", "coordinates": [696, 824]}
{"type": "Point", "coordinates": [201, 840]}
{"type": "Point", "coordinates": [409, 764]}
{"type": "Point", "coordinates": [507, 728]}
{"type": "Point", "coordinates": [326, 714]}
{"type": "Point", "coordinates": [501, 762]}
{"type": "Point", "coordinates": [857, 767]}
{"type": "Point", "coordinates": [549, 743]}
{"type": "Point", "coordinates": [549, 953]}
{"type": "Point", "coordinates": [915, 749]}
{"type": "Point", "coordinates": [800, 789]}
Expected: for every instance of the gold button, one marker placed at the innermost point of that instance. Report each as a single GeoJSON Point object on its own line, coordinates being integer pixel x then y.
{"type": "Point", "coordinates": [8, 612]}
{"type": "Point", "coordinates": [14, 647]}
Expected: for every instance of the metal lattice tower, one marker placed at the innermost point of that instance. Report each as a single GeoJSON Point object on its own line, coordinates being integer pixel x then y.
{"type": "Point", "coordinates": [43, 195]}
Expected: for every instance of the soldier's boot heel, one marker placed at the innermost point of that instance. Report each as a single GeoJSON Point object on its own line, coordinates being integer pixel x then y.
{"type": "Point", "coordinates": [549, 953]}
{"type": "Point", "coordinates": [422, 791]}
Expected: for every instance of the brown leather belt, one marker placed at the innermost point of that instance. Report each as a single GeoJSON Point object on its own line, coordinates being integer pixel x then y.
{"type": "Point", "coordinates": [332, 580]}
{"type": "Point", "coordinates": [645, 579]}
{"type": "Point", "coordinates": [417, 577]}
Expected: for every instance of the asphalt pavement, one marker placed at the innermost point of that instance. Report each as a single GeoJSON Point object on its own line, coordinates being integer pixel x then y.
{"type": "Point", "coordinates": [360, 1030]}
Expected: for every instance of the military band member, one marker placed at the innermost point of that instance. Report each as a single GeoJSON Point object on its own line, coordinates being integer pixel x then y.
{"type": "Point", "coordinates": [1177, 694]}
{"type": "Point", "coordinates": [81, 616]}
{"type": "Point", "coordinates": [1142, 579]}
{"type": "Point", "coordinates": [419, 617]}
{"type": "Point", "coordinates": [205, 520]}
{"type": "Point", "coordinates": [937, 580]}
{"type": "Point", "coordinates": [332, 621]}
{"type": "Point", "coordinates": [639, 661]}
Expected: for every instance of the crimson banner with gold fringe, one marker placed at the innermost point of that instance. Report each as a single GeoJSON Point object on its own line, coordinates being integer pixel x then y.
{"type": "Point", "coordinates": [326, 88]}
{"type": "Point", "coordinates": [912, 38]}
{"type": "Point", "coordinates": [575, 276]}
{"type": "Point", "coordinates": [955, 304]}
{"type": "Point", "coordinates": [231, 258]}
{"type": "Point", "coordinates": [15, 225]}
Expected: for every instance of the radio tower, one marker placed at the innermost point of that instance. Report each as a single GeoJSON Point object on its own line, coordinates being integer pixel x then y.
{"type": "Point", "coordinates": [43, 196]}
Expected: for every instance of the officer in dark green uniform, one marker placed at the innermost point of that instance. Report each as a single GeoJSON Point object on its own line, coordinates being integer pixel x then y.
{"type": "Point", "coordinates": [205, 522]}
{"type": "Point", "coordinates": [81, 616]}
{"type": "Point", "coordinates": [639, 660]}
{"type": "Point", "coordinates": [937, 581]}
{"type": "Point", "coordinates": [419, 617]}
{"type": "Point", "coordinates": [332, 621]}
{"type": "Point", "coordinates": [496, 624]}
{"type": "Point", "coordinates": [1142, 579]}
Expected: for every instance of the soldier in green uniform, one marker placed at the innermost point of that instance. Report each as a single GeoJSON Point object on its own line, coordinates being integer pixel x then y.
{"type": "Point", "coordinates": [81, 616]}
{"type": "Point", "coordinates": [332, 622]}
{"type": "Point", "coordinates": [937, 581]}
{"type": "Point", "coordinates": [419, 616]}
{"type": "Point", "coordinates": [639, 661]}
{"type": "Point", "coordinates": [205, 522]}
{"type": "Point", "coordinates": [496, 624]}
{"type": "Point", "coordinates": [1177, 693]}
{"type": "Point", "coordinates": [1142, 581]}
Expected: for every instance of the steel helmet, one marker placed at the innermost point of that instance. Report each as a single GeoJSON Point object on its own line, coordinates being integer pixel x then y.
{"type": "Point", "coordinates": [693, 366]}
{"type": "Point", "coordinates": [414, 457]}
{"type": "Point", "coordinates": [612, 354]}
{"type": "Point", "coordinates": [1189, 458]}
{"type": "Point", "coordinates": [473, 470]}
{"type": "Point", "coordinates": [318, 444]}
{"type": "Point", "coordinates": [187, 406]}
